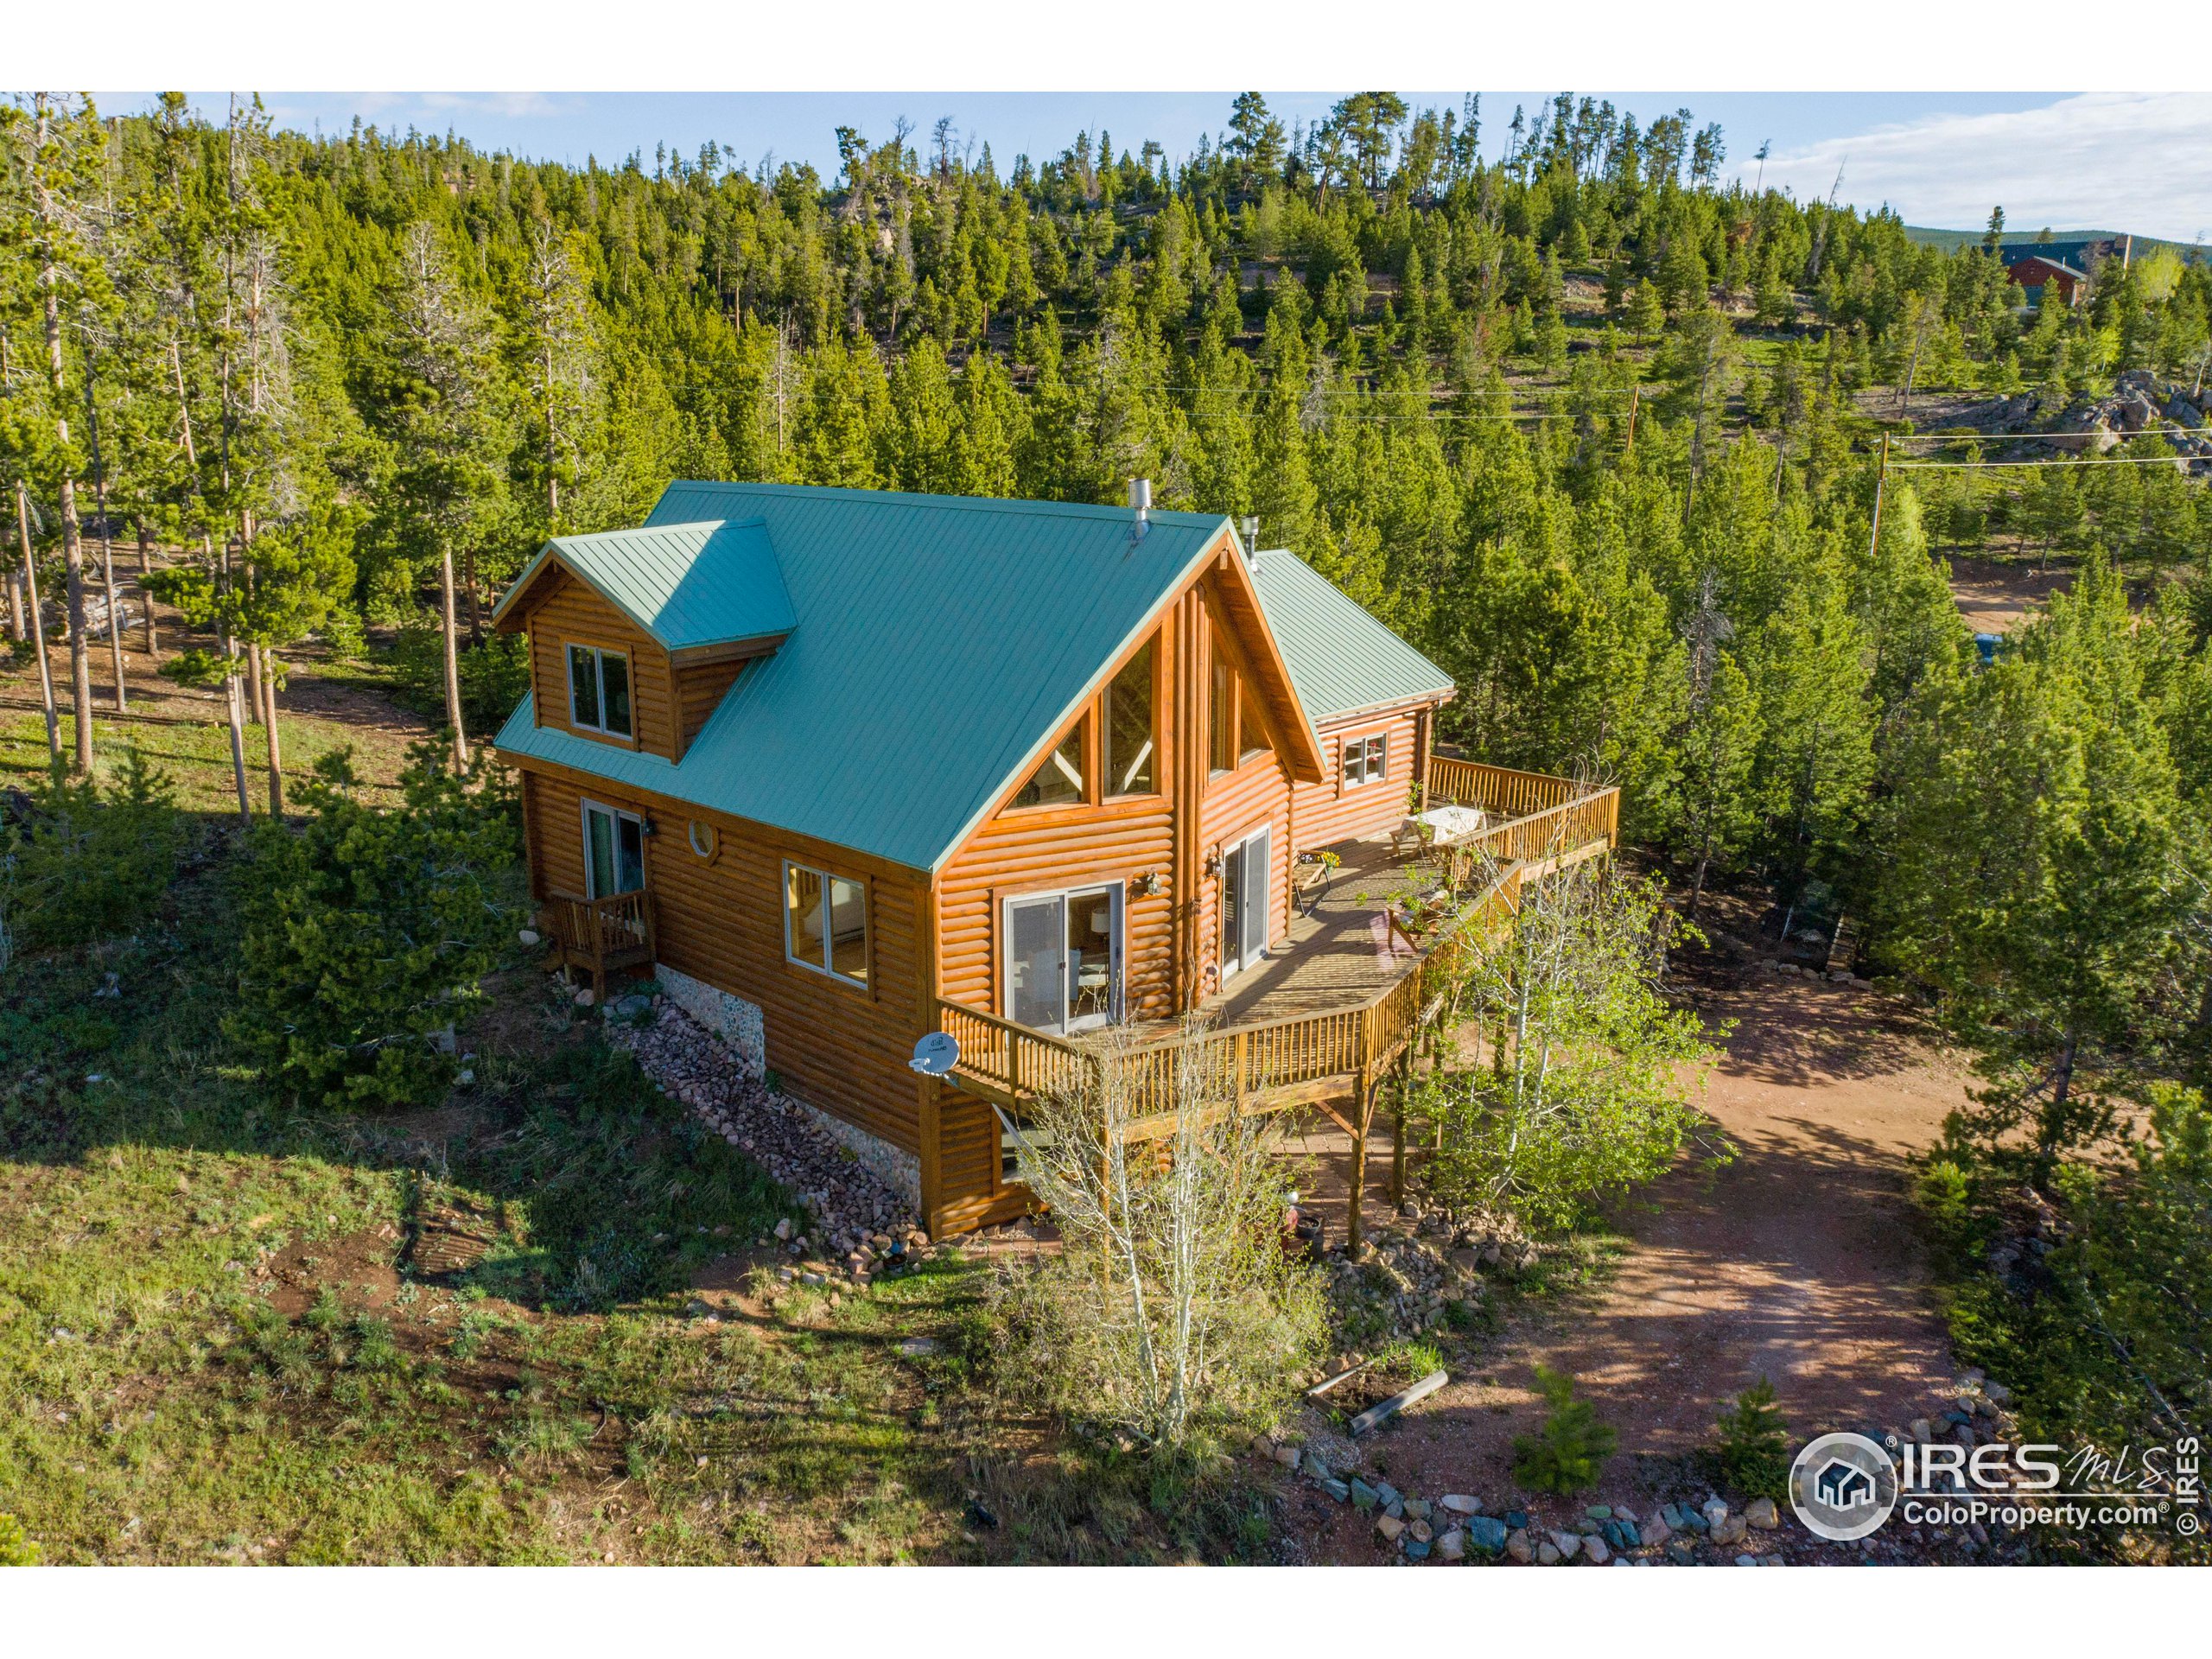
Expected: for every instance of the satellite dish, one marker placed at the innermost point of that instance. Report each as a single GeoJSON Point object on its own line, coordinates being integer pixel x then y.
{"type": "Point", "coordinates": [936, 1053]}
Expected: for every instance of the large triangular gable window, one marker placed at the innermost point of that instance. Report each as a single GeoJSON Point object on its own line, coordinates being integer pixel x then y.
{"type": "Point", "coordinates": [1252, 731]}
{"type": "Point", "coordinates": [1236, 732]}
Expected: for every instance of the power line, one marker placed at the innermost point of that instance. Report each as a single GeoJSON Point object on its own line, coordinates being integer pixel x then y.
{"type": "Point", "coordinates": [2101, 460]}
{"type": "Point", "coordinates": [2030, 437]}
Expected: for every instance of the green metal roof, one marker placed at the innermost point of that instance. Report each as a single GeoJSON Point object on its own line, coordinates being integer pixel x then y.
{"type": "Point", "coordinates": [1341, 659]}
{"type": "Point", "coordinates": [938, 642]}
{"type": "Point", "coordinates": [712, 582]}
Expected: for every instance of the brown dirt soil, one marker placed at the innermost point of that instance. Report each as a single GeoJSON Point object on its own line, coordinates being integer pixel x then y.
{"type": "Point", "coordinates": [1796, 1261]}
{"type": "Point", "coordinates": [1995, 594]}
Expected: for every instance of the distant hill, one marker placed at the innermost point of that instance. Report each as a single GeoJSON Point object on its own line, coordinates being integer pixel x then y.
{"type": "Point", "coordinates": [2064, 242]}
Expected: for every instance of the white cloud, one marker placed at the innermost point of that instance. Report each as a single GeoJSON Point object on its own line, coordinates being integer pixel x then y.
{"type": "Point", "coordinates": [429, 112]}
{"type": "Point", "coordinates": [2136, 162]}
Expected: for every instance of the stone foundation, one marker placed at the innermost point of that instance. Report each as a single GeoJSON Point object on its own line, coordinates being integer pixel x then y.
{"type": "Point", "coordinates": [899, 1171]}
{"type": "Point", "coordinates": [737, 1025]}
{"type": "Point", "coordinates": [735, 1021]}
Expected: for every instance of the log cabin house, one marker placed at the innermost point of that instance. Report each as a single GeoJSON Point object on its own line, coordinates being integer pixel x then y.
{"type": "Point", "coordinates": [839, 768]}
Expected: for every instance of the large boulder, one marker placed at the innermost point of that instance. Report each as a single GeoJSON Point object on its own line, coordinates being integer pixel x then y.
{"type": "Point", "coordinates": [1488, 1535]}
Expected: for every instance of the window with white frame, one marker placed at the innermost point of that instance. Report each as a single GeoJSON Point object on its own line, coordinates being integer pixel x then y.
{"type": "Point", "coordinates": [826, 923]}
{"type": "Point", "coordinates": [1367, 760]}
{"type": "Point", "coordinates": [599, 691]}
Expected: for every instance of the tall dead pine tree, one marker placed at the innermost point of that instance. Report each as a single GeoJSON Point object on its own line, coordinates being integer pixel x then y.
{"type": "Point", "coordinates": [56, 156]}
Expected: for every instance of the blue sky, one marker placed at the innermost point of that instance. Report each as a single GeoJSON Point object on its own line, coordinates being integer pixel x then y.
{"type": "Point", "coordinates": [2127, 162]}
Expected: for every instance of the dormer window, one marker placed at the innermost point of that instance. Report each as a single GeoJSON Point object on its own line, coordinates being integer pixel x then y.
{"type": "Point", "coordinates": [599, 691]}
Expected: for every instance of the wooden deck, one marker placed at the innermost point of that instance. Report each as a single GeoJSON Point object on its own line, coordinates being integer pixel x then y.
{"type": "Point", "coordinates": [1348, 993]}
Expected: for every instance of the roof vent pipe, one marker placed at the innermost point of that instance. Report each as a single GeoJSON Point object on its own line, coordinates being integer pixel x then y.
{"type": "Point", "coordinates": [1141, 504]}
{"type": "Point", "coordinates": [1248, 529]}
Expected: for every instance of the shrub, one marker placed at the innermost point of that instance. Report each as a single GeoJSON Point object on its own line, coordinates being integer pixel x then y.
{"type": "Point", "coordinates": [365, 931]}
{"type": "Point", "coordinates": [2091, 1305]}
{"type": "Point", "coordinates": [16, 1547]}
{"type": "Point", "coordinates": [1753, 1450]}
{"type": "Point", "coordinates": [1591, 1085]}
{"type": "Point", "coordinates": [87, 863]}
{"type": "Point", "coordinates": [1172, 1309]}
{"type": "Point", "coordinates": [1566, 1453]}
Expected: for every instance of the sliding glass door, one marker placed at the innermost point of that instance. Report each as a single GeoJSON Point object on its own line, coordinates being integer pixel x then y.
{"type": "Point", "coordinates": [1064, 958]}
{"type": "Point", "coordinates": [1243, 903]}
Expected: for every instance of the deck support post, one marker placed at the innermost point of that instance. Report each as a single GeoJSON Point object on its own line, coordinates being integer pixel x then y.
{"type": "Point", "coordinates": [1398, 1122]}
{"type": "Point", "coordinates": [1362, 1111]}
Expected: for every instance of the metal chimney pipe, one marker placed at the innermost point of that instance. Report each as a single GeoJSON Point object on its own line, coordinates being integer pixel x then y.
{"type": "Point", "coordinates": [1141, 504]}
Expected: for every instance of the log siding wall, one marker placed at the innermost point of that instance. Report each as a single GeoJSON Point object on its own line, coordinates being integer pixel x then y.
{"type": "Point", "coordinates": [838, 1046]}
{"type": "Point", "coordinates": [699, 692]}
{"type": "Point", "coordinates": [1328, 812]}
{"type": "Point", "coordinates": [571, 614]}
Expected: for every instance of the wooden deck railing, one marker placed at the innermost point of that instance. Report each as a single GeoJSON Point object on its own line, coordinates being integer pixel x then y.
{"type": "Point", "coordinates": [1543, 818]}
{"type": "Point", "coordinates": [1011, 1063]}
{"type": "Point", "coordinates": [1013, 1059]}
{"type": "Point", "coordinates": [600, 935]}
{"type": "Point", "coordinates": [1008, 1063]}
{"type": "Point", "coordinates": [1499, 790]}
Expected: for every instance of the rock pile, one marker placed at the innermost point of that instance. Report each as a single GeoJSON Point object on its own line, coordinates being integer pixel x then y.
{"type": "Point", "coordinates": [2138, 402]}
{"type": "Point", "coordinates": [1411, 1272]}
{"type": "Point", "coordinates": [855, 1221]}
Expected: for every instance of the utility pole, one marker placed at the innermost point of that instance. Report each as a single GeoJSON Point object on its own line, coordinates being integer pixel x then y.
{"type": "Point", "coordinates": [1635, 396]}
{"type": "Point", "coordinates": [1881, 470]}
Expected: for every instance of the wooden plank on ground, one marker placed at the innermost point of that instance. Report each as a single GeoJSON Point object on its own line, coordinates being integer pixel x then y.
{"type": "Point", "coordinates": [1375, 1415]}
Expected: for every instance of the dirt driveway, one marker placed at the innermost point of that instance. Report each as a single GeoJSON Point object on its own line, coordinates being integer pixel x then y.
{"type": "Point", "coordinates": [1795, 1262]}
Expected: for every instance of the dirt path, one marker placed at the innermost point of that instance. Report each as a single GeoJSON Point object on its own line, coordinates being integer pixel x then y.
{"type": "Point", "coordinates": [1796, 1261]}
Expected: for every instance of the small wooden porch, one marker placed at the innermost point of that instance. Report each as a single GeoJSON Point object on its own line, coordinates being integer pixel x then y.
{"type": "Point", "coordinates": [598, 937]}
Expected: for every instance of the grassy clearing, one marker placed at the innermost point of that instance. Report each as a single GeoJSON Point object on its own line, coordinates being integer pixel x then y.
{"type": "Point", "coordinates": [533, 1324]}
{"type": "Point", "coordinates": [197, 757]}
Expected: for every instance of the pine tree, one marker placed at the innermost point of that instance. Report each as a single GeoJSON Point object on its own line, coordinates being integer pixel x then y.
{"type": "Point", "coordinates": [1569, 1452]}
{"type": "Point", "coordinates": [443, 417]}
{"type": "Point", "coordinates": [1646, 316]}
{"type": "Point", "coordinates": [2036, 837]}
{"type": "Point", "coordinates": [1752, 1444]}
{"type": "Point", "coordinates": [1713, 810]}
{"type": "Point", "coordinates": [557, 338]}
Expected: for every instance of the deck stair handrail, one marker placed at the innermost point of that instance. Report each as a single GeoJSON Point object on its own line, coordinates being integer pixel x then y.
{"type": "Point", "coordinates": [1009, 1063]}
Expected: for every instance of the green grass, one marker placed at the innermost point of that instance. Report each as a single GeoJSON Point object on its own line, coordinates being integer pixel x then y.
{"type": "Point", "coordinates": [217, 1344]}
{"type": "Point", "coordinates": [214, 1346]}
{"type": "Point", "coordinates": [197, 758]}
